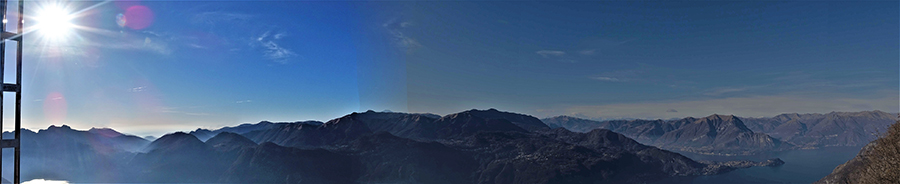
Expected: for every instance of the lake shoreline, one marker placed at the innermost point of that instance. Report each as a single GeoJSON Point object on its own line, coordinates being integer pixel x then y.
{"type": "Point", "coordinates": [801, 166]}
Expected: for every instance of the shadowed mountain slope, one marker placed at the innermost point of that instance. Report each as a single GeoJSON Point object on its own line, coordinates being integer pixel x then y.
{"type": "Point", "coordinates": [877, 162]}
{"type": "Point", "coordinates": [487, 145]}
{"type": "Point", "coordinates": [715, 134]}
{"type": "Point", "coordinates": [204, 134]}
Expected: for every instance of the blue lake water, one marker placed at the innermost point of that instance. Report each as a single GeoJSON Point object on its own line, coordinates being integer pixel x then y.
{"type": "Point", "coordinates": [801, 166]}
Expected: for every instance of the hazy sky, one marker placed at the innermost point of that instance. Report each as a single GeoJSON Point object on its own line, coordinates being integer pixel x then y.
{"type": "Point", "coordinates": [173, 65]}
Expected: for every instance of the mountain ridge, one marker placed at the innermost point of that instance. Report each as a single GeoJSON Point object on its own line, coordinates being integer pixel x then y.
{"type": "Point", "coordinates": [476, 146]}
{"type": "Point", "coordinates": [781, 132]}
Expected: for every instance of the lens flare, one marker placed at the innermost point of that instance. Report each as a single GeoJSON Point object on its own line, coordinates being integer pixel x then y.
{"type": "Point", "coordinates": [120, 20]}
{"type": "Point", "coordinates": [138, 17]}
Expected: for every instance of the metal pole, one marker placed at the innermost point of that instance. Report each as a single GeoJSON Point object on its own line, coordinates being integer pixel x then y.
{"type": "Point", "coordinates": [19, 91]}
{"type": "Point", "coordinates": [2, 69]}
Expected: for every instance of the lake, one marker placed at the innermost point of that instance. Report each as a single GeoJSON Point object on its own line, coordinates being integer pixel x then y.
{"type": "Point", "coordinates": [801, 166]}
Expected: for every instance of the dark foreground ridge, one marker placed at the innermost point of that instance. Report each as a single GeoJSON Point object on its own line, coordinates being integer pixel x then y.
{"type": "Point", "coordinates": [475, 146]}
{"type": "Point", "coordinates": [878, 162]}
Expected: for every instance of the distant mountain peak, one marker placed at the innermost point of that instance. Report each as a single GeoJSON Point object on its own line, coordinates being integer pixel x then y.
{"type": "Point", "coordinates": [523, 121]}
{"type": "Point", "coordinates": [876, 111]}
{"type": "Point", "coordinates": [722, 116]}
{"type": "Point", "coordinates": [563, 116]}
{"type": "Point", "coordinates": [725, 119]}
{"type": "Point", "coordinates": [100, 129]}
{"type": "Point", "coordinates": [106, 132]}
{"type": "Point", "coordinates": [175, 140]}
{"type": "Point", "coordinates": [59, 127]}
{"type": "Point", "coordinates": [176, 135]}
{"type": "Point", "coordinates": [486, 110]}
{"type": "Point", "coordinates": [62, 128]}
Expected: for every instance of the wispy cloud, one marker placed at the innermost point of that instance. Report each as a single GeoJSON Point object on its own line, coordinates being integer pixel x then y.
{"type": "Point", "coordinates": [231, 27]}
{"type": "Point", "coordinates": [609, 79]}
{"type": "Point", "coordinates": [218, 17]}
{"type": "Point", "coordinates": [648, 74]}
{"type": "Point", "coordinates": [243, 101]}
{"type": "Point", "coordinates": [176, 110]}
{"type": "Point", "coordinates": [145, 44]}
{"type": "Point", "coordinates": [396, 29]}
{"type": "Point", "coordinates": [550, 53]}
{"type": "Point", "coordinates": [153, 33]}
{"type": "Point", "coordinates": [556, 55]}
{"type": "Point", "coordinates": [620, 75]}
{"type": "Point", "coordinates": [588, 51]}
{"type": "Point", "coordinates": [721, 91]}
{"type": "Point", "coordinates": [272, 50]}
{"type": "Point", "coordinates": [146, 41]}
{"type": "Point", "coordinates": [194, 45]}
{"type": "Point", "coordinates": [137, 89]}
{"type": "Point", "coordinates": [583, 53]}
{"type": "Point", "coordinates": [820, 80]}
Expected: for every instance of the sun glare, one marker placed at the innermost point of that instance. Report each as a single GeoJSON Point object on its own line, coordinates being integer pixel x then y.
{"type": "Point", "coordinates": [54, 22]}
{"type": "Point", "coordinates": [42, 181]}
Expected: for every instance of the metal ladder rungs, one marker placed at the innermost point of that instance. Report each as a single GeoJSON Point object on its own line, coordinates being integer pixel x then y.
{"type": "Point", "coordinates": [9, 143]}
{"type": "Point", "coordinates": [7, 87]}
{"type": "Point", "coordinates": [10, 36]}
{"type": "Point", "coordinates": [16, 87]}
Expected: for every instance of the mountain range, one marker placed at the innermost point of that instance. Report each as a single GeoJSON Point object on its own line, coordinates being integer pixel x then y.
{"type": "Point", "coordinates": [475, 146]}
{"type": "Point", "coordinates": [732, 135]}
{"type": "Point", "coordinates": [820, 130]}
{"type": "Point", "coordinates": [60, 152]}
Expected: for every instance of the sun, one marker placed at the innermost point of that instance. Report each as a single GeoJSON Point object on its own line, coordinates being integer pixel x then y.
{"type": "Point", "coordinates": [54, 22]}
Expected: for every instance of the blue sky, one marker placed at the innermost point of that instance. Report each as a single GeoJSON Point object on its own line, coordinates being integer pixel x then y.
{"type": "Point", "coordinates": [175, 65]}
